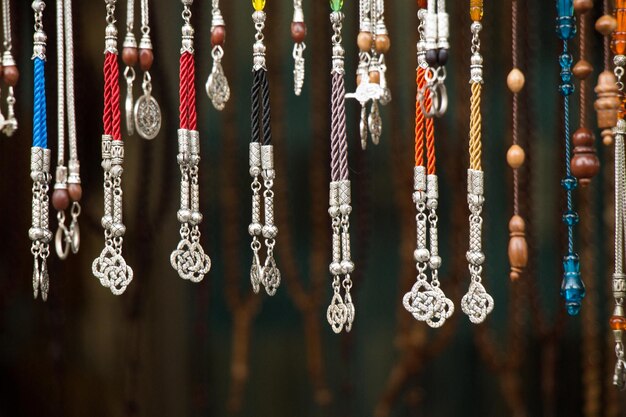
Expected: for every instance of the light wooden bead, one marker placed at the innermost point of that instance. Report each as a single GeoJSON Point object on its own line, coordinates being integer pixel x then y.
{"type": "Point", "coordinates": [607, 137]}
{"type": "Point", "coordinates": [365, 40]}
{"type": "Point", "coordinates": [515, 156]}
{"type": "Point", "coordinates": [582, 69]}
{"type": "Point", "coordinates": [606, 24]}
{"type": "Point", "coordinates": [515, 80]}
{"type": "Point", "coordinates": [518, 247]}
{"type": "Point", "coordinates": [583, 6]}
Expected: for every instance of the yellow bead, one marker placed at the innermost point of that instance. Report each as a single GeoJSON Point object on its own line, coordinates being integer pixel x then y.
{"type": "Point", "coordinates": [258, 5]}
{"type": "Point", "coordinates": [515, 156]}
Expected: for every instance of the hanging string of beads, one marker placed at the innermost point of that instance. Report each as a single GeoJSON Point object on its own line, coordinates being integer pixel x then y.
{"type": "Point", "coordinates": [40, 233]}
{"type": "Point", "coordinates": [617, 322]}
{"type": "Point", "coordinates": [585, 163]}
{"type": "Point", "coordinates": [111, 267]}
{"type": "Point", "coordinates": [426, 301]}
{"type": "Point", "coordinates": [436, 33]}
{"type": "Point", "coordinates": [572, 287]}
{"type": "Point", "coordinates": [340, 313]}
{"type": "Point", "coordinates": [217, 85]}
{"type": "Point", "coordinates": [476, 303]}
{"type": "Point", "coordinates": [298, 34]}
{"type": "Point", "coordinates": [9, 71]}
{"type": "Point", "coordinates": [189, 258]}
{"type": "Point", "coordinates": [608, 101]}
{"type": "Point", "coordinates": [66, 188]}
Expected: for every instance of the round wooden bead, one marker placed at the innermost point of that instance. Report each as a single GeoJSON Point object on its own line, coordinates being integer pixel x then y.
{"type": "Point", "coordinates": [515, 80]}
{"type": "Point", "coordinates": [607, 137]}
{"type": "Point", "coordinates": [583, 6]}
{"type": "Point", "coordinates": [146, 57]}
{"type": "Point", "coordinates": [582, 69]}
{"type": "Point", "coordinates": [11, 75]}
{"type": "Point", "coordinates": [364, 41]}
{"type": "Point", "coordinates": [75, 191]}
{"type": "Point", "coordinates": [382, 44]}
{"type": "Point", "coordinates": [585, 163]}
{"type": "Point", "coordinates": [298, 31]}
{"type": "Point", "coordinates": [606, 24]}
{"type": "Point", "coordinates": [60, 199]}
{"type": "Point", "coordinates": [515, 156]}
{"type": "Point", "coordinates": [374, 77]}
{"type": "Point", "coordinates": [518, 248]}
{"type": "Point", "coordinates": [130, 56]}
{"type": "Point", "coordinates": [218, 35]}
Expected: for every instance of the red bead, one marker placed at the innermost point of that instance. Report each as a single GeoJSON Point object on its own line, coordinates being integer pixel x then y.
{"type": "Point", "coordinates": [298, 31]}
{"type": "Point", "coordinates": [617, 323]}
{"type": "Point", "coordinates": [218, 35]}
{"type": "Point", "coordinates": [11, 75]}
{"type": "Point", "coordinates": [75, 191]}
{"type": "Point", "coordinates": [146, 57]}
{"type": "Point", "coordinates": [422, 4]}
{"type": "Point", "coordinates": [130, 56]}
{"type": "Point", "coordinates": [60, 199]}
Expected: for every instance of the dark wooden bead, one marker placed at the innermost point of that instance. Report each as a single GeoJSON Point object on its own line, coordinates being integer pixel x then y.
{"type": "Point", "coordinates": [11, 75]}
{"type": "Point", "coordinates": [422, 4]}
{"type": "Point", "coordinates": [442, 57]}
{"type": "Point", "coordinates": [60, 199]}
{"type": "Point", "coordinates": [583, 6]}
{"type": "Point", "coordinates": [75, 191]}
{"type": "Point", "coordinates": [298, 31]}
{"type": "Point", "coordinates": [130, 56]}
{"type": "Point", "coordinates": [432, 57]}
{"type": "Point", "coordinates": [146, 57]}
{"type": "Point", "coordinates": [382, 44]}
{"type": "Point", "coordinates": [582, 69]}
{"type": "Point", "coordinates": [518, 247]}
{"type": "Point", "coordinates": [218, 35]}
{"type": "Point", "coordinates": [585, 163]}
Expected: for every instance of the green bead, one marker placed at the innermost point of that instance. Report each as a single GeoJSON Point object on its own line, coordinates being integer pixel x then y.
{"type": "Point", "coordinates": [336, 5]}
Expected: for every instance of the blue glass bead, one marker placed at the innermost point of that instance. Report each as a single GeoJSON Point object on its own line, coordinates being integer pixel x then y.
{"type": "Point", "coordinates": [569, 183]}
{"type": "Point", "coordinates": [565, 60]}
{"type": "Point", "coordinates": [570, 218]}
{"type": "Point", "coordinates": [566, 89]}
{"type": "Point", "coordinates": [572, 287]}
{"type": "Point", "coordinates": [565, 8]}
{"type": "Point", "coordinates": [566, 27]}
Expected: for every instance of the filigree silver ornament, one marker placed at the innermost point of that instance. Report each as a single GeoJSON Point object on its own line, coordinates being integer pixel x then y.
{"type": "Point", "coordinates": [217, 85]}
{"type": "Point", "coordinates": [147, 112]}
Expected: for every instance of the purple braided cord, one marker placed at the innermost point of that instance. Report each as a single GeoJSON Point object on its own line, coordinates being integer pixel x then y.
{"type": "Point", "coordinates": [338, 137]}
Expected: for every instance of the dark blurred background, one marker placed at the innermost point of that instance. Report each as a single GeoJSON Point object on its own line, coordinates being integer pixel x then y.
{"type": "Point", "coordinates": [171, 348]}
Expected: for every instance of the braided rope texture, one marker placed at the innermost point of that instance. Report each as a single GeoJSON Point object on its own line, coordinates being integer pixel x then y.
{"type": "Point", "coordinates": [338, 135]}
{"type": "Point", "coordinates": [111, 117]}
{"type": "Point", "coordinates": [187, 92]}
{"type": "Point", "coordinates": [256, 106]}
{"type": "Point", "coordinates": [430, 135]}
{"type": "Point", "coordinates": [40, 130]}
{"type": "Point", "coordinates": [266, 117]}
{"type": "Point", "coordinates": [475, 142]}
{"type": "Point", "coordinates": [420, 81]}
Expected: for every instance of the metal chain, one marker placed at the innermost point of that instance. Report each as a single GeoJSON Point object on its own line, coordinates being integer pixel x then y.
{"type": "Point", "coordinates": [130, 15]}
{"type": "Point", "coordinates": [69, 80]}
{"type": "Point", "coordinates": [6, 23]}
{"type": "Point", "coordinates": [60, 84]}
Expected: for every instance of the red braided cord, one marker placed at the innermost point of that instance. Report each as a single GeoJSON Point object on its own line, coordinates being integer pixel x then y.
{"type": "Point", "coordinates": [430, 136]}
{"type": "Point", "coordinates": [107, 113]}
{"type": "Point", "coordinates": [188, 117]}
{"type": "Point", "coordinates": [191, 93]}
{"type": "Point", "coordinates": [182, 92]}
{"type": "Point", "coordinates": [419, 120]}
{"type": "Point", "coordinates": [114, 71]}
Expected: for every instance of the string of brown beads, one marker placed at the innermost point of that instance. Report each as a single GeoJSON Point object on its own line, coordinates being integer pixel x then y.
{"type": "Point", "coordinates": [518, 248]}
{"type": "Point", "coordinates": [218, 34]}
{"type": "Point", "coordinates": [585, 163]}
{"type": "Point", "coordinates": [64, 194]}
{"type": "Point", "coordinates": [130, 55]}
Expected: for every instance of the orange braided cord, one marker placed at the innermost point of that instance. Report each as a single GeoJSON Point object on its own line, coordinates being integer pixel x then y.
{"type": "Point", "coordinates": [430, 136]}
{"type": "Point", "coordinates": [475, 141]}
{"type": "Point", "coordinates": [419, 119]}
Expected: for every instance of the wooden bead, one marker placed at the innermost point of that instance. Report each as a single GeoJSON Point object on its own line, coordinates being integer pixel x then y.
{"type": "Point", "coordinates": [146, 57]}
{"type": "Point", "coordinates": [298, 31]}
{"type": "Point", "coordinates": [364, 41]}
{"type": "Point", "coordinates": [218, 35]}
{"type": "Point", "coordinates": [130, 56]}
{"type": "Point", "coordinates": [607, 137]}
{"type": "Point", "coordinates": [583, 6]}
{"type": "Point", "coordinates": [382, 44]}
{"type": "Point", "coordinates": [374, 77]}
{"type": "Point", "coordinates": [422, 4]}
{"type": "Point", "coordinates": [515, 80]}
{"type": "Point", "coordinates": [515, 156]}
{"type": "Point", "coordinates": [585, 163]}
{"type": "Point", "coordinates": [75, 191]}
{"type": "Point", "coordinates": [518, 247]}
{"type": "Point", "coordinates": [606, 24]}
{"type": "Point", "coordinates": [60, 199]}
{"type": "Point", "coordinates": [10, 75]}
{"type": "Point", "coordinates": [607, 104]}
{"type": "Point", "coordinates": [582, 69]}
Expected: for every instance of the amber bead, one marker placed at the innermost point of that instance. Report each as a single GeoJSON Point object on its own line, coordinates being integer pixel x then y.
{"type": "Point", "coordinates": [618, 43]}
{"type": "Point", "coordinates": [130, 56]}
{"type": "Point", "coordinates": [582, 69]}
{"type": "Point", "coordinates": [10, 75]}
{"type": "Point", "coordinates": [382, 44]}
{"type": "Point", "coordinates": [422, 4]}
{"type": "Point", "coordinates": [364, 40]}
{"type": "Point", "coordinates": [218, 35]}
{"type": "Point", "coordinates": [60, 199]}
{"type": "Point", "coordinates": [476, 10]}
{"type": "Point", "coordinates": [515, 80]}
{"type": "Point", "coordinates": [146, 57]}
{"type": "Point", "coordinates": [518, 247]}
{"type": "Point", "coordinates": [617, 323]}
{"type": "Point", "coordinates": [374, 77]}
{"type": "Point", "coordinates": [606, 24]}
{"type": "Point", "coordinates": [583, 6]}
{"type": "Point", "coordinates": [75, 191]}
{"type": "Point", "coordinates": [585, 163]}
{"type": "Point", "coordinates": [515, 156]}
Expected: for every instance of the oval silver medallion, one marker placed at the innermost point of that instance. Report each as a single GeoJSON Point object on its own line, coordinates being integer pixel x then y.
{"type": "Point", "coordinates": [147, 117]}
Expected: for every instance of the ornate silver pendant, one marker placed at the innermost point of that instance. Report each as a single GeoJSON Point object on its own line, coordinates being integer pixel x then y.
{"type": "Point", "coordinates": [217, 87]}
{"type": "Point", "coordinates": [147, 117]}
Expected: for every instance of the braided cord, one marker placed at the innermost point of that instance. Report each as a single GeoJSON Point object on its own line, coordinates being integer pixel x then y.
{"type": "Point", "coordinates": [111, 116]}
{"type": "Point", "coordinates": [420, 81]}
{"type": "Point", "coordinates": [339, 140]}
{"type": "Point", "coordinates": [266, 116]}
{"type": "Point", "coordinates": [430, 135]}
{"type": "Point", "coordinates": [255, 114]}
{"type": "Point", "coordinates": [187, 109]}
{"type": "Point", "coordinates": [475, 143]}
{"type": "Point", "coordinates": [40, 130]}
{"type": "Point", "coordinates": [568, 173]}
{"type": "Point", "coordinates": [515, 106]}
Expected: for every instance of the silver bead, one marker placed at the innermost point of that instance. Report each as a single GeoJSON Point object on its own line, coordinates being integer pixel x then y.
{"type": "Point", "coordinates": [476, 27]}
{"type": "Point", "coordinates": [421, 255]}
{"type": "Point", "coordinates": [619, 60]}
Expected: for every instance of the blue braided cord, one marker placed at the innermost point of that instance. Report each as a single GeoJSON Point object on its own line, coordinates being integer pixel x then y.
{"type": "Point", "coordinates": [568, 173]}
{"type": "Point", "coordinates": [40, 128]}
